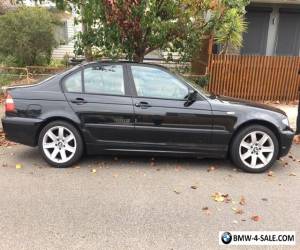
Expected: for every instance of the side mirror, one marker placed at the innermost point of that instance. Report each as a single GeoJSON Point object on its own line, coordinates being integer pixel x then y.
{"type": "Point", "coordinates": [191, 98]}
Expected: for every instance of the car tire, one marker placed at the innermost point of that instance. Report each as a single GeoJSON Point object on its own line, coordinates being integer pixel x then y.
{"type": "Point", "coordinates": [254, 149]}
{"type": "Point", "coordinates": [60, 144]}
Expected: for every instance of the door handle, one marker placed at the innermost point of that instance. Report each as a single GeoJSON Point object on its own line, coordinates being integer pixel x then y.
{"type": "Point", "coordinates": [143, 105]}
{"type": "Point", "coordinates": [79, 101]}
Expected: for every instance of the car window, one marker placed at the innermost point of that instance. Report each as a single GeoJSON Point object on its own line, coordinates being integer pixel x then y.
{"type": "Point", "coordinates": [73, 82]}
{"type": "Point", "coordinates": [104, 79]}
{"type": "Point", "coordinates": [156, 83]}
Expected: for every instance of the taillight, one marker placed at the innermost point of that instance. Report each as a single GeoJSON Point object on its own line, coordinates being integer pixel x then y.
{"type": "Point", "coordinates": [9, 104]}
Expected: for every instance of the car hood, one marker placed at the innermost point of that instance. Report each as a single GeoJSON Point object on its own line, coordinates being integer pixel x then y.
{"type": "Point", "coordinates": [241, 102]}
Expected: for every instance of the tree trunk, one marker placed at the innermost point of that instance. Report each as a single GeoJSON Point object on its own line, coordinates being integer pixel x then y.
{"type": "Point", "coordinates": [139, 55]}
{"type": "Point", "coordinates": [88, 54]}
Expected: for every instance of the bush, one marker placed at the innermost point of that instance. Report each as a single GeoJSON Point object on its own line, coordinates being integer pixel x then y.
{"type": "Point", "coordinates": [202, 81]}
{"type": "Point", "coordinates": [27, 36]}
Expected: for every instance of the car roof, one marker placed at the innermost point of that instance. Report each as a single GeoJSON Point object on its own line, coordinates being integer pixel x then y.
{"type": "Point", "coordinates": [122, 62]}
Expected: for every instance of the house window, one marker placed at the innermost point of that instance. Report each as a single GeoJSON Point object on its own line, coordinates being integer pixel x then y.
{"type": "Point", "coordinates": [288, 40]}
{"type": "Point", "coordinates": [255, 38]}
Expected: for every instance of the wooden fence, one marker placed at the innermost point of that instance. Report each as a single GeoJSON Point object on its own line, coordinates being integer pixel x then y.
{"type": "Point", "coordinates": [258, 78]}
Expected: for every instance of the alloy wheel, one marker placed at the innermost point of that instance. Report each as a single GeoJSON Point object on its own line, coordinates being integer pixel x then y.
{"type": "Point", "coordinates": [256, 149]}
{"type": "Point", "coordinates": [59, 144]}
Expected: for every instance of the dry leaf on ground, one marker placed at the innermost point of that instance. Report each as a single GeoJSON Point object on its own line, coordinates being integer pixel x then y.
{"type": "Point", "coordinates": [18, 166]}
{"type": "Point", "coordinates": [219, 197]}
{"type": "Point", "coordinates": [176, 191]}
{"type": "Point", "coordinates": [242, 201]}
{"type": "Point", "coordinates": [237, 210]}
{"type": "Point", "coordinates": [255, 218]}
{"type": "Point", "coordinates": [211, 168]}
{"type": "Point", "coordinates": [206, 210]}
{"type": "Point", "coordinates": [4, 142]}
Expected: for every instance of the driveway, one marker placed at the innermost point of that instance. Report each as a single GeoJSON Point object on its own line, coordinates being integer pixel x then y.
{"type": "Point", "coordinates": [139, 202]}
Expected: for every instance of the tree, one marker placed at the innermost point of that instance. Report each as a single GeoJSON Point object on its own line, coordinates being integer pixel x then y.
{"type": "Point", "coordinates": [6, 5]}
{"type": "Point", "coordinates": [131, 28]}
{"type": "Point", "coordinates": [230, 24]}
{"type": "Point", "coordinates": [134, 28]}
{"type": "Point", "coordinates": [27, 35]}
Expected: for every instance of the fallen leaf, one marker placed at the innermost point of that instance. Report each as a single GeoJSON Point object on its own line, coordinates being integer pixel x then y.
{"type": "Point", "coordinates": [4, 142]}
{"type": "Point", "coordinates": [292, 174]}
{"type": "Point", "coordinates": [217, 196]}
{"type": "Point", "coordinates": [93, 170]}
{"type": "Point", "coordinates": [18, 166]}
{"type": "Point", "coordinates": [211, 168]}
{"type": "Point", "coordinates": [242, 201]}
{"type": "Point", "coordinates": [178, 168]}
{"type": "Point", "coordinates": [194, 187]}
{"type": "Point", "coordinates": [271, 173]}
{"type": "Point", "coordinates": [256, 218]}
{"type": "Point", "coordinates": [237, 210]}
{"type": "Point", "coordinates": [206, 210]}
{"type": "Point", "coordinates": [176, 191]}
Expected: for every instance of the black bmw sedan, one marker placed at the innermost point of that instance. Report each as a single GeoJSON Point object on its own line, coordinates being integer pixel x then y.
{"type": "Point", "coordinates": [126, 107]}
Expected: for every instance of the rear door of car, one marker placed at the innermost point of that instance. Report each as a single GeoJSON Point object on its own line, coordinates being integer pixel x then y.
{"type": "Point", "coordinates": [163, 121]}
{"type": "Point", "coordinates": [100, 96]}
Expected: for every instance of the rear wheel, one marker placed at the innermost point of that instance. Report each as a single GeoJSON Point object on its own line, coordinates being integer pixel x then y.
{"type": "Point", "coordinates": [60, 144]}
{"type": "Point", "coordinates": [254, 149]}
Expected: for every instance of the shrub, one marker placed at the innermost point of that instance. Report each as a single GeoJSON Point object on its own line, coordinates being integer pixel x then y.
{"type": "Point", "coordinates": [27, 36]}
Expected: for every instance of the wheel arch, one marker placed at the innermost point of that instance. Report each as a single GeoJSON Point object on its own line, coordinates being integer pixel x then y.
{"type": "Point", "coordinates": [58, 118]}
{"type": "Point", "coordinates": [264, 123]}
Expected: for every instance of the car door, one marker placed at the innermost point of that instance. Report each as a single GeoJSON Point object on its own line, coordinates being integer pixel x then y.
{"type": "Point", "coordinates": [99, 95]}
{"type": "Point", "coordinates": [163, 120]}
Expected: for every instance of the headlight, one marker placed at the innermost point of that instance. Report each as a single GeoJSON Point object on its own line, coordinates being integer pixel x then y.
{"type": "Point", "coordinates": [286, 122]}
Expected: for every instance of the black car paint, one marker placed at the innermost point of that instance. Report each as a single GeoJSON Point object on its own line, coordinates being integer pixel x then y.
{"type": "Point", "coordinates": [134, 124]}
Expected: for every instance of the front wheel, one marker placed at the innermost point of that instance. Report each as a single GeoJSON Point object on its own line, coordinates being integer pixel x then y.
{"type": "Point", "coordinates": [60, 144]}
{"type": "Point", "coordinates": [254, 149]}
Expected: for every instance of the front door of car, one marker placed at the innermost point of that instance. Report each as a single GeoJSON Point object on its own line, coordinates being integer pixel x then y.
{"type": "Point", "coordinates": [99, 96]}
{"type": "Point", "coordinates": [163, 118]}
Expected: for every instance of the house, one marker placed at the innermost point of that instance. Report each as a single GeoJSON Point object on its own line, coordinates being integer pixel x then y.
{"type": "Point", "coordinates": [65, 33]}
{"type": "Point", "coordinates": [273, 28]}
